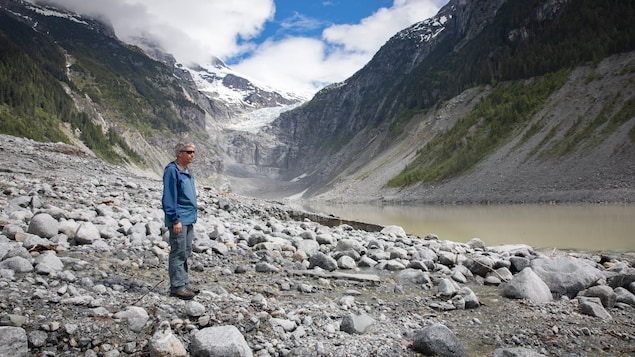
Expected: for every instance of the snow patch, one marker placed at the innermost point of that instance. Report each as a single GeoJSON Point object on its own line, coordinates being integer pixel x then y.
{"type": "Point", "coordinates": [254, 121]}
{"type": "Point", "coordinates": [296, 197]}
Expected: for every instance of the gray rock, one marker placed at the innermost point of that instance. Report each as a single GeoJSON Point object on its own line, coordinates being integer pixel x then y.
{"type": "Point", "coordinates": [447, 288]}
{"type": "Point", "coordinates": [37, 338]}
{"type": "Point", "coordinates": [11, 229]}
{"type": "Point", "coordinates": [377, 254]}
{"type": "Point", "coordinates": [397, 253]}
{"type": "Point", "coordinates": [13, 342]}
{"type": "Point", "coordinates": [502, 273]}
{"type": "Point", "coordinates": [17, 264]}
{"type": "Point", "coordinates": [517, 264]}
{"type": "Point", "coordinates": [325, 238]}
{"type": "Point", "coordinates": [470, 298]}
{"type": "Point", "coordinates": [49, 259]}
{"type": "Point", "coordinates": [492, 280]}
{"type": "Point", "coordinates": [516, 352]}
{"type": "Point", "coordinates": [323, 261]}
{"type": "Point", "coordinates": [219, 248]}
{"type": "Point", "coordinates": [194, 308]}
{"type": "Point", "coordinates": [86, 233]}
{"type": "Point", "coordinates": [480, 265]}
{"type": "Point", "coordinates": [346, 262]}
{"type": "Point", "coordinates": [13, 320]}
{"type": "Point", "coordinates": [527, 285]}
{"type": "Point", "coordinates": [55, 212]}
{"type": "Point", "coordinates": [605, 293]}
{"type": "Point", "coordinates": [69, 228]}
{"type": "Point", "coordinates": [624, 296]}
{"type": "Point", "coordinates": [285, 324]}
{"type": "Point", "coordinates": [43, 225]}
{"type": "Point", "coordinates": [99, 312]}
{"type": "Point", "coordinates": [438, 340]}
{"type": "Point", "coordinates": [256, 238]}
{"type": "Point", "coordinates": [624, 278]}
{"type": "Point", "coordinates": [476, 243]}
{"type": "Point", "coordinates": [349, 244]}
{"type": "Point", "coordinates": [448, 259]}
{"type": "Point", "coordinates": [164, 344]}
{"type": "Point", "coordinates": [414, 277]}
{"type": "Point", "coordinates": [33, 241]}
{"type": "Point", "coordinates": [219, 341]}
{"type": "Point", "coordinates": [310, 235]}
{"type": "Point", "coordinates": [366, 262]}
{"type": "Point", "coordinates": [592, 306]}
{"type": "Point", "coordinates": [310, 247]}
{"type": "Point", "coordinates": [5, 248]}
{"type": "Point", "coordinates": [264, 267]}
{"type": "Point", "coordinates": [356, 324]}
{"type": "Point", "coordinates": [137, 317]}
{"type": "Point", "coordinates": [565, 275]}
{"type": "Point", "coordinates": [396, 231]}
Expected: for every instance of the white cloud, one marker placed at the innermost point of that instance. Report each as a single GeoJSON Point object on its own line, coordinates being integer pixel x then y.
{"type": "Point", "coordinates": [372, 32]}
{"type": "Point", "coordinates": [299, 64]}
{"type": "Point", "coordinates": [305, 65]}
{"type": "Point", "coordinates": [195, 30]}
{"type": "Point", "coordinates": [192, 30]}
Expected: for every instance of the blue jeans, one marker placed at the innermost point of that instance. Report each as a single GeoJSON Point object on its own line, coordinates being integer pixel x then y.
{"type": "Point", "coordinates": [180, 250]}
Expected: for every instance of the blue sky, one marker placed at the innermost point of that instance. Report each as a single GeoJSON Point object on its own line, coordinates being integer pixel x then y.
{"type": "Point", "coordinates": [293, 17]}
{"type": "Point", "coordinates": [293, 45]}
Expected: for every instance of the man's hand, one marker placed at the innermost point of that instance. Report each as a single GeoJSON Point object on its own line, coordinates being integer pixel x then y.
{"type": "Point", "coordinates": [177, 228]}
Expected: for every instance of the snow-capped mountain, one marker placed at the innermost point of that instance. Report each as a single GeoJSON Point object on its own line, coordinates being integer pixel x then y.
{"type": "Point", "coordinates": [218, 81]}
{"type": "Point", "coordinates": [242, 103]}
{"type": "Point", "coordinates": [251, 105]}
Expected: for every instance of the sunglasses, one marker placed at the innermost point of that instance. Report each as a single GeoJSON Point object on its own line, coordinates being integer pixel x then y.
{"type": "Point", "coordinates": [188, 151]}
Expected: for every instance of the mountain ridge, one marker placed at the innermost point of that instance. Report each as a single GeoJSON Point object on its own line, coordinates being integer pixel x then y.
{"type": "Point", "coordinates": [438, 104]}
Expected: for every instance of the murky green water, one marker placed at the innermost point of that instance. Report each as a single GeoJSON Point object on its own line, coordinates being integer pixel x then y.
{"type": "Point", "coordinates": [578, 227]}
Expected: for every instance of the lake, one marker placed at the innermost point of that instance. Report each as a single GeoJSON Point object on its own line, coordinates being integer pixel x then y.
{"type": "Point", "coordinates": [577, 227]}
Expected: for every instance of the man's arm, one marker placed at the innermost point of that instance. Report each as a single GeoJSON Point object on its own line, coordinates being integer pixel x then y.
{"type": "Point", "coordinates": [170, 192]}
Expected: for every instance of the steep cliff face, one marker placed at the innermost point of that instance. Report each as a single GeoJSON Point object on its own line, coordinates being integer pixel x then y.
{"type": "Point", "coordinates": [325, 134]}
{"type": "Point", "coordinates": [546, 162]}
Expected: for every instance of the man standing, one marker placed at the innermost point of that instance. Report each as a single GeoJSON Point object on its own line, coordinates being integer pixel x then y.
{"type": "Point", "coordinates": [179, 206]}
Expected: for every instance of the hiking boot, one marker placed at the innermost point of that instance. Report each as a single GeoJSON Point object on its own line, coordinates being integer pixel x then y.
{"type": "Point", "coordinates": [183, 293]}
{"type": "Point", "coordinates": [196, 291]}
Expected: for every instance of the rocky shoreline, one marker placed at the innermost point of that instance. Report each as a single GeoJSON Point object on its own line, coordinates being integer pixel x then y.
{"type": "Point", "coordinates": [83, 271]}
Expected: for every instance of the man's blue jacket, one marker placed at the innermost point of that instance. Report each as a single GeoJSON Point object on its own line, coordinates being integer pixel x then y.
{"type": "Point", "coordinates": [179, 196]}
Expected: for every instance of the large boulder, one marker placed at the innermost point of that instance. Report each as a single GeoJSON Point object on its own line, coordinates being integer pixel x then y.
{"type": "Point", "coordinates": [566, 275]}
{"type": "Point", "coordinates": [219, 341]}
{"type": "Point", "coordinates": [43, 225]}
{"type": "Point", "coordinates": [527, 285]}
{"type": "Point", "coordinates": [438, 340]}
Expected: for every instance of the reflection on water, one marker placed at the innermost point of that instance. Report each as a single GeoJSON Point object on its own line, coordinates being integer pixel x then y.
{"type": "Point", "coordinates": [578, 227]}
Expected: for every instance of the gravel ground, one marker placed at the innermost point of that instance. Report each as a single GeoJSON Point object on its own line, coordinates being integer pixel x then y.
{"type": "Point", "coordinates": [235, 293]}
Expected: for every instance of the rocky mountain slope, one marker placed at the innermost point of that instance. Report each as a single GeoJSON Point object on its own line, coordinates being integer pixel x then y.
{"type": "Point", "coordinates": [521, 171]}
